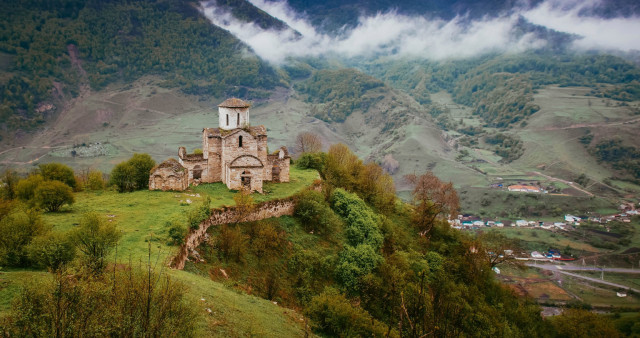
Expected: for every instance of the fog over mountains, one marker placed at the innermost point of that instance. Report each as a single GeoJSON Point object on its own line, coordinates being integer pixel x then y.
{"type": "Point", "coordinates": [392, 31]}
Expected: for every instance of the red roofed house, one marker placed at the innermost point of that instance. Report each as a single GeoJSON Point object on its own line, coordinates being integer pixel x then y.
{"type": "Point", "coordinates": [524, 188]}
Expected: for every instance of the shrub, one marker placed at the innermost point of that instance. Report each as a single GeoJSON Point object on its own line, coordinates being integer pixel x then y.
{"type": "Point", "coordinates": [124, 304]}
{"type": "Point", "coordinates": [59, 172]}
{"type": "Point", "coordinates": [132, 174]}
{"type": "Point", "coordinates": [17, 230]}
{"type": "Point", "coordinates": [177, 232]}
{"type": "Point", "coordinates": [52, 251]}
{"type": "Point", "coordinates": [314, 213]}
{"type": "Point", "coordinates": [362, 224]}
{"type": "Point", "coordinates": [52, 195]}
{"type": "Point", "coordinates": [95, 239]}
{"type": "Point", "coordinates": [331, 313]}
{"type": "Point", "coordinates": [26, 187]}
{"type": "Point", "coordinates": [311, 161]}
{"type": "Point", "coordinates": [95, 180]}
{"type": "Point", "coordinates": [355, 262]}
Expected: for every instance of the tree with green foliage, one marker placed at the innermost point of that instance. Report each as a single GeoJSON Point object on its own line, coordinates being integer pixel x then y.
{"type": "Point", "coordinates": [232, 243]}
{"type": "Point", "coordinates": [362, 224]}
{"type": "Point", "coordinates": [9, 181]}
{"type": "Point", "coordinates": [95, 180]}
{"type": "Point", "coordinates": [245, 205]}
{"type": "Point", "coordinates": [52, 195]}
{"type": "Point", "coordinates": [332, 314]}
{"type": "Point", "coordinates": [59, 172]}
{"type": "Point", "coordinates": [575, 323]}
{"type": "Point", "coordinates": [95, 238]}
{"type": "Point", "coordinates": [17, 229]}
{"type": "Point", "coordinates": [132, 174]}
{"type": "Point", "coordinates": [25, 189]}
{"type": "Point", "coordinates": [315, 214]}
{"type": "Point", "coordinates": [354, 263]}
{"type": "Point", "coordinates": [52, 251]}
{"type": "Point", "coordinates": [122, 176]}
{"type": "Point", "coordinates": [312, 161]}
{"type": "Point", "coordinates": [341, 167]}
{"type": "Point", "coordinates": [142, 165]}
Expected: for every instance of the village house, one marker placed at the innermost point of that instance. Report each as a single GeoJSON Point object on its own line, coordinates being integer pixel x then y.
{"type": "Point", "coordinates": [234, 153]}
{"type": "Point", "coordinates": [524, 188]}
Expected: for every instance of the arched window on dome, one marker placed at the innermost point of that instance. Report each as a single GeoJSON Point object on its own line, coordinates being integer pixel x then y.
{"type": "Point", "coordinates": [227, 119]}
{"type": "Point", "coordinates": [240, 141]}
{"type": "Point", "coordinates": [238, 120]}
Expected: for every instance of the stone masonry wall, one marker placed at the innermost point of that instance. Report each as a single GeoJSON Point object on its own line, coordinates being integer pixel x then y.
{"type": "Point", "coordinates": [226, 215]}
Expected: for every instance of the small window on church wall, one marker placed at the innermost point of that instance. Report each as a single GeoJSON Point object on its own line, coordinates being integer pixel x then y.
{"type": "Point", "coordinates": [238, 118]}
{"type": "Point", "coordinates": [240, 141]}
{"type": "Point", "coordinates": [227, 119]}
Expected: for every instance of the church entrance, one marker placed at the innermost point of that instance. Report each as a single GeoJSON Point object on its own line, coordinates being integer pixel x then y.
{"type": "Point", "coordinates": [245, 180]}
{"type": "Point", "coordinates": [197, 172]}
{"type": "Point", "coordinates": [275, 174]}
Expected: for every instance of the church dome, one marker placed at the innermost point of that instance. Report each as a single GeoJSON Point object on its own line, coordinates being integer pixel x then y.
{"type": "Point", "coordinates": [234, 103]}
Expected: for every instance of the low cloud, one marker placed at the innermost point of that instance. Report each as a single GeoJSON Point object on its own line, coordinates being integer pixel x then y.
{"type": "Point", "coordinates": [391, 34]}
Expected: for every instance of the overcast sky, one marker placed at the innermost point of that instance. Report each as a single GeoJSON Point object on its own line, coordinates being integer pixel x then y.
{"type": "Point", "coordinates": [394, 34]}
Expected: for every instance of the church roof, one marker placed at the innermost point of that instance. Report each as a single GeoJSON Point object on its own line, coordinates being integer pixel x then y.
{"type": "Point", "coordinates": [234, 103]}
{"type": "Point", "coordinates": [253, 130]}
{"type": "Point", "coordinates": [171, 164]}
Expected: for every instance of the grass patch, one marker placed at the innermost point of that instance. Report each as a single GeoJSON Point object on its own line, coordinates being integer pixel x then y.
{"type": "Point", "coordinates": [599, 295]}
{"type": "Point", "coordinates": [540, 239]}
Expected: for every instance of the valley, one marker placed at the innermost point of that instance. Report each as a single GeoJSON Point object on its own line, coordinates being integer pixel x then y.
{"type": "Point", "coordinates": [478, 172]}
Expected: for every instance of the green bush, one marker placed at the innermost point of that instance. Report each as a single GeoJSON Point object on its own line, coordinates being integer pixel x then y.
{"type": "Point", "coordinates": [95, 238]}
{"type": "Point", "coordinates": [354, 263]}
{"type": "Point", "coordinates": [17, 230]}
{"type": "Point", "coordinates": [52, 251]}
{"type": "Point", "coordinates": [95, 181]}
{"type": "Point", "coordinates": [331, 313]}
{"type": "Point", "coordinates": [26, 187]}
{"type": "Point", "coordinates": [177, 232]}
{"type": "Point", "coordinates": [311, 161]}
{"type": "Point", "coordinates": [314, 213]}
{"type": "Point", "coordinates": [52, 195]}
{"type": "Point", "coordinates": [132, 174]}
{"type": "Point", "coordinates": [58, 172]}
{"type": "Point", "coordinates": [127, 303]}
{"type": "Point", "coordinates": [362, 224]}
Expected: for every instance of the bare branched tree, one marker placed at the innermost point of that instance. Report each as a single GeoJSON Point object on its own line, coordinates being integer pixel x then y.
{"type": "Point", "coordinates": [307, 142]}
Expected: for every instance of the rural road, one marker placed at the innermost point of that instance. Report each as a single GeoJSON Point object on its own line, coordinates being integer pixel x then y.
{"type": "Point", "coordinates": [563, 270]}
{"type": "Point", "coordinates": [571, 184]}
{"type": "Point", "coordinates": [554, 267]}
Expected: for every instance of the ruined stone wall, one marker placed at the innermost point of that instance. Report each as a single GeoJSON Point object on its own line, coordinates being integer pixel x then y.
{"type": "Point", "coordinates": [191, 165]}
{"type": "Point", "coordinates": [166, 179]}
{"type": "Point", "coordinates": [227, 215]}
{"type": "Point", "coordinates": [282, 163]}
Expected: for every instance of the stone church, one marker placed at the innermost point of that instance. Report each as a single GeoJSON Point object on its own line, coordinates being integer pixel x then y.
{"type": "Point", "coordinates": [234, 153]}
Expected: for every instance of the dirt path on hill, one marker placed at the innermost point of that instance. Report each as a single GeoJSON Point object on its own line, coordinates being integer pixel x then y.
{"type": "Point", "coordinates": [569, 183]}
{"type": "Point", "coordinates": [589, 125]}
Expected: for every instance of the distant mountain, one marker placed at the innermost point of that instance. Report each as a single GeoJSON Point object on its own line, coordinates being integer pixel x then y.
{"type": "Point", "coordinates": [334, 14]}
